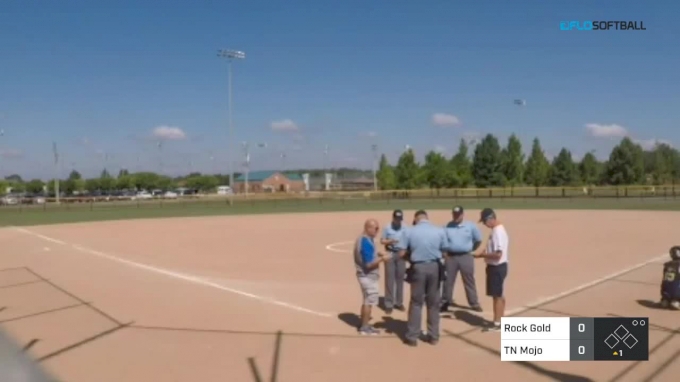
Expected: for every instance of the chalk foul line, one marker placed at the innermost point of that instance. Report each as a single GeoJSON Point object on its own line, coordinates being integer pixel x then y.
{"type": "Point", "coordinates": [176, 275]}
{"type": "Point", "coordinates": [331, 247]}
{"type": "Point", "coordinates": [577, 289]}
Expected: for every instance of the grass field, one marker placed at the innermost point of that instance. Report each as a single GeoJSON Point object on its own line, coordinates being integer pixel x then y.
{"type": "Point", "coordinates": [71, 213]}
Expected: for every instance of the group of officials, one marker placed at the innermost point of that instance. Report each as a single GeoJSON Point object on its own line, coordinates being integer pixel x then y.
{"type": "Point", "coordinates": [429, 257]}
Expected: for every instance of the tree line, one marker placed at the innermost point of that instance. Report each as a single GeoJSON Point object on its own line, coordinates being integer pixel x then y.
{"type": "Point", "coordinates": [75, 183]}
{"type": "Point", "coordinates": [492, 165]}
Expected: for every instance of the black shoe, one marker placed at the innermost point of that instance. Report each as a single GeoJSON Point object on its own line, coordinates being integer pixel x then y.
{"type": "Point", "coordinates": [477, 308]}
{"type": "Point", "coordinates": [444, 308]}
{"type": "Point", "coordinates": [400, 308]}
{"type": "Point", "coordinates": [411, 343]}
{"type": "Point", "coordinates": [388, 311]}
{"type": "Point", "coordinates": [431, 340]}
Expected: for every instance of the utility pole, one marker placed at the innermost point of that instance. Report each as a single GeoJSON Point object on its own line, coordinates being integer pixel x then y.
{"type": "Point", "coordinates": [56, 171]}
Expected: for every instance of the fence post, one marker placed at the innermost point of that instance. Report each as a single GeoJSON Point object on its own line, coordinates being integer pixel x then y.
{"type": "Point", "coordinates": [625, 192]}
{"type": "Point", "coordinates": [537, 192]}
{"type": "Point", "coordinates": [564, 193]}
{"type": "Point", "coordinates": [91, 205]}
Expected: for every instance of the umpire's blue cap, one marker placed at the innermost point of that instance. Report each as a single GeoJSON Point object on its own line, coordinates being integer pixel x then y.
{"type": "Point", "coordinates": [398, 214]}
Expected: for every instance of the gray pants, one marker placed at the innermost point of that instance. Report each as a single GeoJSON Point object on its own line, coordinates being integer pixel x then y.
{"type": "Point", "coordinates": [395, 270]}
{"type": "Point", "coordinates": [424, 289]}
{"type": "Point", "coordinates": [465, 264]}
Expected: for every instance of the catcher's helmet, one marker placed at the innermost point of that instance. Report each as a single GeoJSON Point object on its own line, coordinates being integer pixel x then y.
{"type": "Point", "coordinates": [675, 252]}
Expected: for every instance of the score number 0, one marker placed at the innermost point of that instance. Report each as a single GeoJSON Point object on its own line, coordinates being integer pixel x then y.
{"type": "Point", "coordinates": [581, 329]}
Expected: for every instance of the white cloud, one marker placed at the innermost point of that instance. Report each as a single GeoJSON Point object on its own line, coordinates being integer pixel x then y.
{"type": "Point", "coordinates": [11, 153]}
{"type": "Point", "coordinates": [168, 133]}
{"type": "Point", "coordinates": [606, 131]}
{"type": "Point", "coordinates": [440, 149]}
{"type": "Point", "coordinates": [650, 144]}
{"type": "Point", "coordinates": [284, 125]}
{"type": "Point", "coordinates": [443, 119]}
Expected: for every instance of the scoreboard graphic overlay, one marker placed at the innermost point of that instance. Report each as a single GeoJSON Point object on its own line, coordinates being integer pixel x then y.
{"type": "Point", "coordinates": [574, 339]}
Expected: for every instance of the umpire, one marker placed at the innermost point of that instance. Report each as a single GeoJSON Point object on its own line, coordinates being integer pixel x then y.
{"type": "Point", "coordinates": [425, 243]}
{"type": "Point", "coordinates": [395, 267]}
{"type": "Point", "coordinates": [463, 238]}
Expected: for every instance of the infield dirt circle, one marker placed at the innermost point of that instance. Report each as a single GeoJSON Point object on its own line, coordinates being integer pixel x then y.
{"type": "Point", "coordinates": [191, 299]}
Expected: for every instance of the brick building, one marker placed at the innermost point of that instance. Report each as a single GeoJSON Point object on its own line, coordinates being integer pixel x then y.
{"type": "Point", "coordinates": [269, 181]}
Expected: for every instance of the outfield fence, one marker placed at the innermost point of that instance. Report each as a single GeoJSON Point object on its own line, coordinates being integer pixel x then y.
{"type": "Point", "coordinates": [340, 197]}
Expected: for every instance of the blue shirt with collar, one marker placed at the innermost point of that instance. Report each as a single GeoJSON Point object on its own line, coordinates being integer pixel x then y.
{"type": "Point", "coordinates": [390, 233]}
{"type": "Point", "coordinates": [425, 241]}
{"type": "Point", "coordinates": [461, 237]}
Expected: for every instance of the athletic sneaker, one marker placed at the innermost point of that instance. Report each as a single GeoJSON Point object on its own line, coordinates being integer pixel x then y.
{"type": "Point", "coordinates": [368, 331]}
{"type": "Point", "coordinates": [496, 327]}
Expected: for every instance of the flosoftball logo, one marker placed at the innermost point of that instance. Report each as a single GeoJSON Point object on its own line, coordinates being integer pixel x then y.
{"type": "Point", "coordinates": [602, 25]}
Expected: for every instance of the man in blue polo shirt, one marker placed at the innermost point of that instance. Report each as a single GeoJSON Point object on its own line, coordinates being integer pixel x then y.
{"type": "Point", "coordinates": [425, 243]}
{"type": "Point", "coordinates": [395, 268]}
{"type": "Point", "coordinates": [367, 264]}
{"type": "Point", "coordinates": [463, 238]}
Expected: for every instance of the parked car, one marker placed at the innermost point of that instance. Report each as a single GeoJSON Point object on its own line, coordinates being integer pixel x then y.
{"type": "Point", "coordinates": [143, 195]}
{"type": "Point", "coordinates": [170, 195]}
{"type": "Point", "coordinates": [9, 200]}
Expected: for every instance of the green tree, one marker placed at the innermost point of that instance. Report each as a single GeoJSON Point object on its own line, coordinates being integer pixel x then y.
{"type": "Point", "coordinates": [106, 181]}
{"type": "Point", "coordinates": [662, 164]}
{"type": "Point", "coordinates": [35, 186]}
{"type": "Point", "coordinates": [461, 166]}
{"type": "Point", "coordinates": [407, 171]}
{"type": "Point", "coordinates": [125, 182]}
{"type": "Point", "coordinates": [123, 172]}
{"type": "Point", "coordinates": [589, 170]}
{"type": "Point", "coordinates": [626, 164]}
{"type": "Point", "coordinates": [14, 178]}
{"type": "Point", "coordinates": [74, 175]}
{"type": "Point", "coordinates": [513, 162]}
{"type": "Point", "coordinates": [71, 186]}
{"type": "Point", "coordinates": [436, 170]}
{"type": "Point", "coordinates": [385, 175]}
{"type": "Point", "coordinates": [563, 171]}
{"type": "Point", "coordinates": [202, 182]}
{"type": "Point", "coordinates": [487, 166]}
{"type": "Point", "coordinates": [537, 166]}
{"type": "Point", "coordinates": [3, 186]}
{"type": "Point", "coordinates": [93, 184]}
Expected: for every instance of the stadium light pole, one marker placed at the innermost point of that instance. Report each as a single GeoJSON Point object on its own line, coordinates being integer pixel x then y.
{"type": "Point", "coordinates": [246, 149]}
{"type": "Point", "coordinates": [56, 171]}
{"type": "Point", "coordinates": [231, 55]}
{"type": "Point", "coordinates": [374, 149]}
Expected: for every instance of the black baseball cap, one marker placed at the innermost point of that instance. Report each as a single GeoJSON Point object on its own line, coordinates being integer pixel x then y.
{"type": "Point", "coordinates": [486, 214]}
{"type": "Point", "coordinates": [398, 214]}
{"type": "Point", "coordinates": [457, 210]}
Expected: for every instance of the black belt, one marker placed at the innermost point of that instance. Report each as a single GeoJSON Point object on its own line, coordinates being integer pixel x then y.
{"type": "Point", "coordinates": [458, 253]}
{"type": "Point", "coordinates": [424, 262]}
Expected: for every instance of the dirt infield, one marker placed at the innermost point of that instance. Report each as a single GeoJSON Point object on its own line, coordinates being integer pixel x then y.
{"type": "Point", "coordinates": [191, 299]}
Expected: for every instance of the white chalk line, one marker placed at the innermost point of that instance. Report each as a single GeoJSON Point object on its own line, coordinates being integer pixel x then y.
{"type": "Point", "coordinates": [177, 275]}
{"type": "Point", "coordinates": [544, 300]}
{"type": "Point", "coordinates": [331, 247]}
{"type": "Point", "coordinates": [572, 291]}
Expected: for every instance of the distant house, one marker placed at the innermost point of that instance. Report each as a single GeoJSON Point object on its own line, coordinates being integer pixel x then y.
{"type": "Point", "coordinates": [269, 181]}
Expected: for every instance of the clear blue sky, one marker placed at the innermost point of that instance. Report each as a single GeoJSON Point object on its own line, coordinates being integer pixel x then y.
{"type": "Point", "coordinates": [99, 76]}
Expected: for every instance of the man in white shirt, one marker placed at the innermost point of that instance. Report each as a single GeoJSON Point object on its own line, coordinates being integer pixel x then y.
{"type": "Point", "coordinates": [496, 258]}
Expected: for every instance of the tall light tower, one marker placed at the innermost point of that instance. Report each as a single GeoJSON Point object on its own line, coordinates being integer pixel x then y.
{"type": "Point", "coordinates": [374, 149]}
{"type": "Point", "coordinates": [231, 55]}
{"type": "Point", "coordinates": [246, 163]}
{"type": "Point", "coordinates": [56, 171]}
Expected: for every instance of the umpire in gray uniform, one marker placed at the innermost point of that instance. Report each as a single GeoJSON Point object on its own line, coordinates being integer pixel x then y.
{"type": "Point", "coordinates": [425, 243]}
{"type": "Point", "coordinates": [395, 268]}
{"type": "Point", "coordinates": [463, 237]}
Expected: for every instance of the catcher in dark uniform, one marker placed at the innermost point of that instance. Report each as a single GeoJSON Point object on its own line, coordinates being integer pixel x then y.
{"type": "Point", "coordinates": [670, 285]}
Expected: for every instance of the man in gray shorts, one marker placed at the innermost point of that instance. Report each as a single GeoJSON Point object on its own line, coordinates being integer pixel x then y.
{"type": "Point", "coordinates": [367, 264]}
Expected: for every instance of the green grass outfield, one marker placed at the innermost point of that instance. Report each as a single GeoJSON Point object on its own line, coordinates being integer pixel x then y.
{"type": "Point", "coordinates": [71, 213]}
